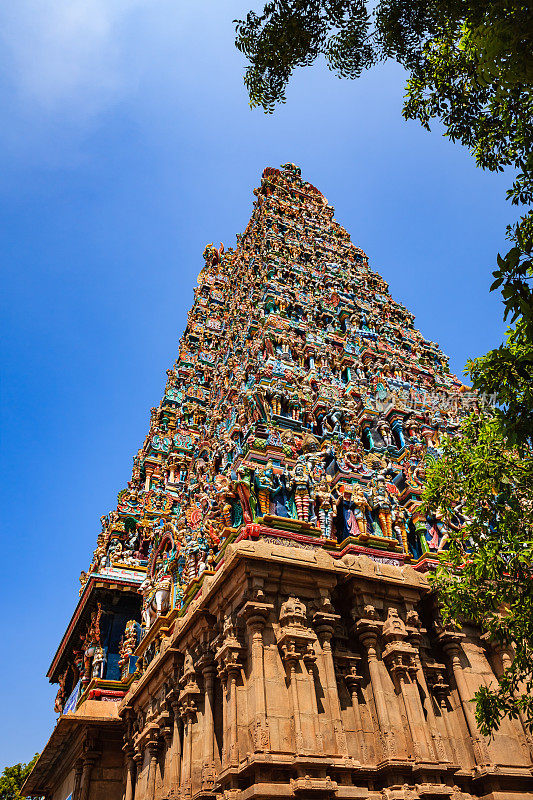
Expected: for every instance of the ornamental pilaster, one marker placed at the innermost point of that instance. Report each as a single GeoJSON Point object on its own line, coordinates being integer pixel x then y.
{"type": "Point", "coordinates": [188, 697]}
{"type": "Point", "coordinates": [207, 666]}
{"type": "Point", "coordinates": [400, 658]}
{"type": "Point", "coordinates": [324, 622]}
{"type": "Point", "coordinates": [78, 771]}
{"type": "Point", "coordinates": [415, 633]}
{"type": "Point", "coordinates": [175, 753]}
{"type": "Point", "coordinates": [349, 665]}
{"type": "Point", "coordinates": [255, 613]}
{"type": "Point", "coordinates": [295, 640]}
{"type": "Point", "coordinates": [451, 642]}
{"type": "Point", "coordinates": [152, 746]}
{"type": "Point", "coordinates": [441, 692]}
{"type": "Point", "coordinates": [369, 630]}
{"type": "Point", "coordinates": [229, 659]}
{"type": "Point", "coordinates": [504, 658]}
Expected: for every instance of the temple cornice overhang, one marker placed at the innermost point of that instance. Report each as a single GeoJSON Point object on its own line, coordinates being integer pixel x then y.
{"type": "Point", "coordinates": [70, 739]}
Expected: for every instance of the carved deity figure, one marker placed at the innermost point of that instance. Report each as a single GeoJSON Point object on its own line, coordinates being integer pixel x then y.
{"type": "Point", "coordinates": [382, 505]}
{"type": "Point", "coordinates": [303, 489]}
{"type": "Point", "coordinates": [156, 598]}
{"type": "Point", "coordinates": [357, 521]}
{"type": "Point", "coordinates": [91, 641]}
{"type": "Point", "coordinates": [400, 519]}
{"type": "Point", "coordinates": [265, 485]}
{"type": "Point", "coordinates": [128, 643]}
{"type": "Point", "coordinates": [385, 432]}
{"type": "Point", "coordinates": [325, 512]}
{"type": "Point", "coordinates": [98, 665]}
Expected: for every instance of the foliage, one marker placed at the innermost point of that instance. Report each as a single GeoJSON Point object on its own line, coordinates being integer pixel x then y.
{"type": "Point", "coordinates": [507, 372]}
{"type": "Point", "coordinates": [485, 576]}
{"type": "Point", "coordinates": [12, 779]}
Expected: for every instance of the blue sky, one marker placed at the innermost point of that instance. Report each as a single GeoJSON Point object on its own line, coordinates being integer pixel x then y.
{"type": "Point", "coordinates": [127, 143]}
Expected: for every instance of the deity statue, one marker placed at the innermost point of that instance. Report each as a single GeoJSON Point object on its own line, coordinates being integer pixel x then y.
{"type": "Point", "coordinates": [326, 504]}
{"type": "Point", "coordinates": [98, 664]}
{"type": "Point", "coordinates": [382, 504]}
{"type": "Point", "coordinates": [385, 432]}
{"type": "Point", "coordinates": [265, 485]}
{"type": "Point", "coordinates": [400, 519]}
{"type": "Point", "coordinates": [156, 597]}
{"type": "Point", "coordinates": [244, 484]}
{"type": "Point", "coordinates": [358, 512]}
{"type": "Point", "coordinates": [127, 645]}
{"type": "Point", "coordinates": [303, 489]}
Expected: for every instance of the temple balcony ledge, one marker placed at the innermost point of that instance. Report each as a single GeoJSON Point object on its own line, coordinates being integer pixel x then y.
{"type": "Point", "coordinates": [101, 689]}
{"type": "Point", "coordinates": [434, 790]}
{"type": "Point", "coordinates": [291, 761]}
{"type": "Point", "coordinates": [282, 790]}
{"type": "Point", "coordinates": [481, 773]}
{"type": "Point", "coordinates": [109, 582]}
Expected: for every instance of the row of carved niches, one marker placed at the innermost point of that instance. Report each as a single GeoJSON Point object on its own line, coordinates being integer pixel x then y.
{"type": "Point", "coordinates": [341, 491]}
{"type": "Point", "coordinates": [314, 466]}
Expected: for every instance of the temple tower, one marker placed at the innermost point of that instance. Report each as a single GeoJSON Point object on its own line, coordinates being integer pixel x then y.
{"type": "Point", "coordinates": [257, 620]}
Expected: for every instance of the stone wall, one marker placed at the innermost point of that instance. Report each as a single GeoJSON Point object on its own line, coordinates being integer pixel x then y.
{"type": "Point", "coordinates": [296, 675]}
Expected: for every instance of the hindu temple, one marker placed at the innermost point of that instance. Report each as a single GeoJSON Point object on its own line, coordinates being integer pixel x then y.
{"type": "Point", "coordinates": [257, 619]}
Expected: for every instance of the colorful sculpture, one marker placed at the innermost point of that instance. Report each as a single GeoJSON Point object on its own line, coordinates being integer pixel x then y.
{"type": "Point", "coordinates": [302, 395]}
{"type": "Point", "coordinates": [256, 611]}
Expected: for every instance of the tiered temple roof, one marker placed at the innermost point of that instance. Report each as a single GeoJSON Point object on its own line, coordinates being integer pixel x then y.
{"type": "Point", "coordinates": [304, 405]}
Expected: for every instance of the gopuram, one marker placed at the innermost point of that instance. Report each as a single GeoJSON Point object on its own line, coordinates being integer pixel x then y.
{"type": "Point", "coordinates": [257, 620]}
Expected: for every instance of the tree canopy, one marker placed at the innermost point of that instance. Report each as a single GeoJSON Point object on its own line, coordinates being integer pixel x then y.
{"type": "Point", "coordinates": [12, 779]}
{"type": "Point", "coordinates": [485, 576]}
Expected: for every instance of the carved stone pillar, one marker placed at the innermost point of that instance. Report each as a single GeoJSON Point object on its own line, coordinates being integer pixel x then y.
{"type": "Point", "coordinates": [152, 747]}
{"type": "Point", "coordinates": [233, 670]}
{"type": "Point", "coordinates": [188, 712]}
{"type": "Point", "coordinates": [208, 766]}
{"type": "Point", "coordinates": [399, 657]}
{"type": "Point", "coordinates": [175, 760]}
{"type": "Point", "coordinates": [138, 757]}
{"type": "Point", "coordinates": [223, 676]}
{"type": "Point", "coordinates": [368, 634]}
{"type": "Point", "coordinates": [166, 733]}
{"type": "Point", "coordinates": [291, 658]}
{"type": "Point", "coordinates": [504, 655]}
{"type": "Point", "coordinates": [255, 613]}
{"type": "Point", "coordinates": [436, 738]}
{"type": "Point", "coordinates": [309, 659]}
{"type": "Point", "coordinates": [295, 639]}
{"type": "Point", "coordinates": [353, 682]}
{"type": "Point", "coordinates": [228, 657]}
{"type": "Point", "coordinates": [130, 774]}
{"type": "Point", "coordinates": [78, 770]}
{"type": "Point", "coordinates": [452, 647]}
{"type": "Point", "coordinates": [188, 695]}
{"type": "Point", "coordinates": [441, 691]}
{"type": "Point", "coordinates": [88, 763]}
{"type": "Point", "coordinates": [324, 623]}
